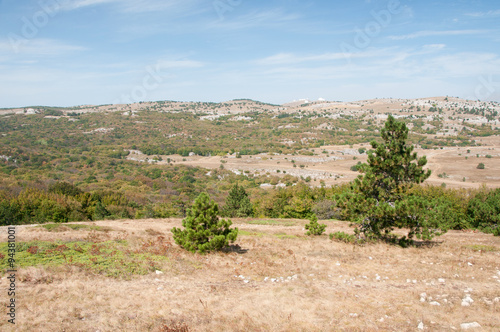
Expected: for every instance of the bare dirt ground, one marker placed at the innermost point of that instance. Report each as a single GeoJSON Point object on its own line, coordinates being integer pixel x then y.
{"type": "Point", "coordinates": [454, 166]}
{"type": "Point", "coordinates": [276, 279]}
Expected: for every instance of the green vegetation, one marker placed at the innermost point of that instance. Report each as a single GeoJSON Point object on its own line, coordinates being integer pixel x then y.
{"type": "Point", "coordinates": [75, 166]}
{"type": "Point", "coordinates": [237, 203]}
{"type": "Point", "coordinates": [314, 228]}
{"type": "Point", "coordinates": [483, 211]}
{"type": "Point", "coordinates": [381, 198]}
{"type": "Point", "coordinates": [342, 237]}
{"type": "Point", "coordinates": [271, 222]}
{"type": "Point", "coordinates": [109, 258]}
{"type": "Point", "coordinates": [64, 227]}
{"type": "Point", "coordinates": [203, 230]}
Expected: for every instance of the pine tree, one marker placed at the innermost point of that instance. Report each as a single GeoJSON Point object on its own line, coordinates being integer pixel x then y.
{"type": "Point", "coordinates": [203, 230]}
{"type": "Point", "coordinates": [313, 227]}
{"type": "Point", "coordinates": [237, 203]}
{"type": "Point", "coordinates": [379, 200]}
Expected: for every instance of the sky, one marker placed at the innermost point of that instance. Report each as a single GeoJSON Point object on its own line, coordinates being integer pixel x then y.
{"type": "Point", "coordinates": [78, 52]}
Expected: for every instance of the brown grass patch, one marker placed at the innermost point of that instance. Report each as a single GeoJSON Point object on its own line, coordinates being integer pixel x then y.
{"type": "Point", "coordinates": [268, 283]}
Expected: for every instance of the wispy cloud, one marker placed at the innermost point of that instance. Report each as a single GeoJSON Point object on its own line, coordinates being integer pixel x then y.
{"type": "Point", "coordinates": [135, 6]}
{"type": "Point", "coordinates": [290, 58]}
{"type": "Point", "coordinates": [179, 64]}
{"type": "Point", "coordinates": [429, 33]}
{"type": "Point", "coordinates": [39, 47]}
{"type": "Point", "coordinates": [272, 17]}
{"type": "Point", "coordinates": [77, 4]}
{"type": "Point", "coordinates": [491, 13]}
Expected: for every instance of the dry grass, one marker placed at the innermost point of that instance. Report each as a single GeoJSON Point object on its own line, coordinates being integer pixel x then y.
{"type": "Point", "coordinates": [320, 285]}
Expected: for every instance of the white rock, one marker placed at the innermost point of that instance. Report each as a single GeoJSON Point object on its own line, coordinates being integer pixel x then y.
{"type": "Point", "coordinates": [159, 272]}
{"type": "Point", "coordinates": [465, 304]}
{"type": "Point", "coordinates": [469, 263]}
{"type": "Point", "coordinates": [466, 326]}
{"type": "Point", "coordinates": [441, 280]}
{"type": "Point", "coordinates": [354, 315]}
{"type": "Point", "coordinates": [420, 326]}
{"type": "Point", "coordinates": [246, 281]}
{"type": "Point", "coordinates": [435, 303]}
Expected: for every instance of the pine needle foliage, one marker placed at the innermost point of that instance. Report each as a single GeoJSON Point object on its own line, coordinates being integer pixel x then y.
{"type": "Point", "coordinates": [237, 203]}
{"type": "Point", "coordinates": [204, 231]}
{"type": "Point", "coordinates": [313, 227]}
{"type": "Point", "coordinates": [380, 198]}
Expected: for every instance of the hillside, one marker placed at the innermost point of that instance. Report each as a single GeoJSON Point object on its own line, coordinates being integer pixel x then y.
{"type": "Point", "coordinates": [154, 158]}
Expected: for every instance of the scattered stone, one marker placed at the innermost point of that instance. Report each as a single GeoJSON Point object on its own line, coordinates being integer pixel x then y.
{"type": "Point", "coordinates": [420, 326]}
{"type": "Point", "coordinates": [441, 280]}
{"type": "Point", "coordinates": [467, 301]}
{"type": "Point", "coordinates": [423, 297]}
{"type": "Point", "coordinates": [435, 303]}
{"type": "Point", "coordinates": [466, 326]}
{"type": "Point", "coordinates": [353, 315]}
{"type": "Point", "coordinates": [159, 272]}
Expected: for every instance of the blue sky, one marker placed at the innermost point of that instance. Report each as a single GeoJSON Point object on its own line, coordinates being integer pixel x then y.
{"type": "Point", "coordinates": [74, 52]}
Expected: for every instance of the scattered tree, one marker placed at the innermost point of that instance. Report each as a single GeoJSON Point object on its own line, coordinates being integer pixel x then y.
{"type": "Point", "coordinates": [237, 203]}
{"type": "Point", "coordinates": [203, 230]}
{"type": "Point", "coordinates": [379, 199]}
{"type": "Point", "coordinates": [313, 227]}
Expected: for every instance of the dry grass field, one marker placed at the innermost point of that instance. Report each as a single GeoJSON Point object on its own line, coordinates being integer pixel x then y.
{"type": "Point", "coordinates": [273, 279]}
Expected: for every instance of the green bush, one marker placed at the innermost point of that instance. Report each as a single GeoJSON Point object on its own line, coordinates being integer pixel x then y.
{"type": "Point", "coordinates": [237, 203]}
{"type": "Point", "coordinates": [314, 228]}
{"type": "Point", "coordinates": [343, 237]}
{"type": "Point", "coordinates": [483, 210]}
{"type": "Point", "coordinates": [203, 230]}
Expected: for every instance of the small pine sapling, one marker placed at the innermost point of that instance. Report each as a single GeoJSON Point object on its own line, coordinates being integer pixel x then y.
{"type": "Point", "coordinates": [313, 227]}
{"type": "Point", "coordinates": [204, 231]}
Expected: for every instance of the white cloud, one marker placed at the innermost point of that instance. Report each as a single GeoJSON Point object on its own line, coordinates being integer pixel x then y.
{"type": "Point", "coordinates": [77, 4]}
{"type": "Point", "coordinates": [37, 47]}
{"type": "Point", "coordinates": [491, 13]}
{"type": "Point", "coordinates": [179, 64]}
{"type": "Point", "coordinates": [429, 33]}
{"type": "Point", "coordinates": [289, 58]}
{"type": "Point", "coordinates": [134, 6]}
{"type": "Point", "coordinates": [260, 19]}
